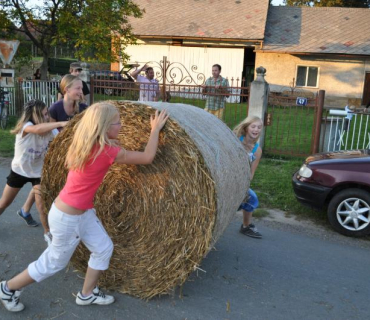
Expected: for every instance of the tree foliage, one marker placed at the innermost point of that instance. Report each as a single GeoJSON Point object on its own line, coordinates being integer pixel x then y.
{"type": "Point", "coordinates": [8, 31]}
{"type": "Point", "coordinates": [89, 25]}
{"type": "Point", "coordinates": [330, 3]}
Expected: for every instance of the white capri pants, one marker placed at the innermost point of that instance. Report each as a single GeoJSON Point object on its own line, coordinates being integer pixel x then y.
{"type": "Point", "coordinates": [67, 231]}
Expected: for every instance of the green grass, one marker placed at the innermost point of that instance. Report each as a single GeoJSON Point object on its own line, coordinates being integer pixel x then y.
{"type": "Point", "coordinates": [272, 181]}
{"type": "Point", "coordinates": [260, 213]}
{"type": "Point", "coordinates": [7, 139]}
{"type": "Point", "coordinates": [233, 114]}
{"type": "Point", "coordinates": [273, 184]}
{"type": "Point", "coordinates": [290, 131]}
{"type": "Point", "coordinates": [102, 97]}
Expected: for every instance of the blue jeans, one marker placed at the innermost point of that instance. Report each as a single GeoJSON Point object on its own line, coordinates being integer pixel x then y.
{"type": "Point", "coordinates": [252, 202]}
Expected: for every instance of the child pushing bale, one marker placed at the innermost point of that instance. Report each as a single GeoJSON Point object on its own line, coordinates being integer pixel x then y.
{"type": "Point", "coordinates": [163, 218]}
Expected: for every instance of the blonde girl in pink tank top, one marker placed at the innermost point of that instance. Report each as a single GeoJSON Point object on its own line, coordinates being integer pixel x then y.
{"type": "Point", "coordinates": [93, 147]}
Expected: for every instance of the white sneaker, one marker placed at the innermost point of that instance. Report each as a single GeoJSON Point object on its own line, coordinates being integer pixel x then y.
{"type": "Point", "coordinates": [48, 238]}
{"type": "Point", "coordinates": [10, 299]}
{"type": "Point", "coordinates": [97, 297]}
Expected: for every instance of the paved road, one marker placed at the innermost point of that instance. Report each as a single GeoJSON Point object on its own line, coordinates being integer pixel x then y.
{"type": "Point", "coordinates": [296, 271]}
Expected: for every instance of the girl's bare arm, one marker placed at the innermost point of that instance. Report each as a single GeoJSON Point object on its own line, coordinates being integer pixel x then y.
{"type": "Point", "coordinates": [147, 156]}
{"type": "Point", "coordinates": [255, 163]}
{"type": "Point", "coordinates": [42, 128]}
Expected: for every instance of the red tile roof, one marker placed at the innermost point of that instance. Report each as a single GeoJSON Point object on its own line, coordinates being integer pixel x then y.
{"type": "Point", "coordinates": [219, 19]}
{"type": "Point", "coordinates": [318, 30]}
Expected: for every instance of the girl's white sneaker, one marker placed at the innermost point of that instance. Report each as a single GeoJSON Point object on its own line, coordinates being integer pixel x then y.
{"type": "Point", "coordinates": [10, 299]}
{"type": "Point", "coordinates": [97, 297]}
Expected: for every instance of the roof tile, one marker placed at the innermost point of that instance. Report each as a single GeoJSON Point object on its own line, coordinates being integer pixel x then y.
{"type": "Point", "coordinates": [228, 19]}
{"type": "Point", "coordinates": [318, 29]}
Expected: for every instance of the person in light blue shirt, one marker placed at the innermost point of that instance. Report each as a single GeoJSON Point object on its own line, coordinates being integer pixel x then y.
{"type": "Point", "coordinates": [249, 131]}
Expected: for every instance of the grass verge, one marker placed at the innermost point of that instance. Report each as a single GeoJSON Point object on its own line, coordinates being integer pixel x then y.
{"type": "Point", "coordinates": [272, 181]}
{"type": "Point", "coordinates": [273, 184]}
{"type": "Point", "coordinates": [290, 131]}
{"type": "Point", "coordinates": [7, 139]}
{"type": "Point", "coordinates": [233, 114]}
{"type": "Point", "coordinates": [260, 213]}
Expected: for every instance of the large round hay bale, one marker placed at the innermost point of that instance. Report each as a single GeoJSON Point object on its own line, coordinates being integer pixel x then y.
{"type": "Point", "coordinates": [163, 218]}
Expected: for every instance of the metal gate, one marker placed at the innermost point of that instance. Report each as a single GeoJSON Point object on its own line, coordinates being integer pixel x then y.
{"type": "Point", "coordinates": [292, 124]}
{"type": "Point", "coordinates": [345, 129]}
{"type": "Point", "coordinates": [25, 90]}
{"type": "Point", "coordinates": [177, 84]}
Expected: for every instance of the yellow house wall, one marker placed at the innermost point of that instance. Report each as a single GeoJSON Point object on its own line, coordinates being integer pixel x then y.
{"type": "Point", "coordinates": [341, 78]}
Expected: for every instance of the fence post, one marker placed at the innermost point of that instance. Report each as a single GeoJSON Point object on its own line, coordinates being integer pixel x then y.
{"type": "Point", "coordinates": [164, 72]}
{"type": "Point", "coordinates": [85, 76]}
{"type": "Point", "coordinates": [258, 98]}
{"type": "Point", "coordinates": [92, 88]}
{"type": "Point", "coordinates": [19, 97]}
{"type": "Point", "coordinates": [320, 109]}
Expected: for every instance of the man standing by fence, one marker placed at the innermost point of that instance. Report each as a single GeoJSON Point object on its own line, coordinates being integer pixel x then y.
{"type": "Point", "coordinates": [216, 89]}
{"type": "Point", "coordinates": [149, 87]}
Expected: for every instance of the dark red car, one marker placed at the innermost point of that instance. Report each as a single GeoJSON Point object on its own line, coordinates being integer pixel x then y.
{"type": "Point", "coordinates": [340, 182]}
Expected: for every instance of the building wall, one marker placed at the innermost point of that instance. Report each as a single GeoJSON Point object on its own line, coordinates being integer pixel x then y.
{"type": "Point", "coordinates": [341, 78]}
{"type": "Point", "coordinates": [230, 59]}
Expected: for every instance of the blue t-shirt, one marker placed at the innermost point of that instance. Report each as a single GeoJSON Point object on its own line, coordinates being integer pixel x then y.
{"type": "Point", "coordinates": [251, 155]}
{"type": "Point", "coordinates": [57, 111]}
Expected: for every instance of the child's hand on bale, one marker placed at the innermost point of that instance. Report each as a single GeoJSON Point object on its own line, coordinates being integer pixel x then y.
{"type": "Point", "coordinates": [158, 120]}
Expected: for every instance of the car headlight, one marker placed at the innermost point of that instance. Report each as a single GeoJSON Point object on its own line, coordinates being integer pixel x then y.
{"type": "Point", "coordinates": [305, 172]}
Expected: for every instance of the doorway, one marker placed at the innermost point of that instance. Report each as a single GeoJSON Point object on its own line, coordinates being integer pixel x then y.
{"type": "Point", "coordinates": [366, 95]}
{"type": "Point", "coordinates": [249, 65]}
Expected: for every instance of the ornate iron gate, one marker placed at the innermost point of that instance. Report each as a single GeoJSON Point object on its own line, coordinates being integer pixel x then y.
{"type": "Point", "coordinates": [177, 85]}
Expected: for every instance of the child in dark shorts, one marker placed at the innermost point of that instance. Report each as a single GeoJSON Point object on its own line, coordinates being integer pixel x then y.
{"type": "Point", "coordinates": [33, 134]}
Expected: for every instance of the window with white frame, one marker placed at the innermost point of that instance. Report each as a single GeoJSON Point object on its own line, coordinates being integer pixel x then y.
{"type": "Point", "coordinates": [307, 76]}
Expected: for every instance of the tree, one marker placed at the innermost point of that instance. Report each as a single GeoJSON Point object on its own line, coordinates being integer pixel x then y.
{"type": "Point", "coordinates": [329, 3]}
{"type": "Point", "coordinates": [8, 31]}
{"type": "Point", "coordinates": [89, 25]}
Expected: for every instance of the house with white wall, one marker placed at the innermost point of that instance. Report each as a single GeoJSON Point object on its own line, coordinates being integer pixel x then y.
{"type": "Point", "coordinates": [201, 33]}
{"type": "Point", "coordinates": [302, 48]}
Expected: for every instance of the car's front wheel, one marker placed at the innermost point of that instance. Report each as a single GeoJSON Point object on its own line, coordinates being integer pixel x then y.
{"type": "Point", "coordinates": [349, 212]}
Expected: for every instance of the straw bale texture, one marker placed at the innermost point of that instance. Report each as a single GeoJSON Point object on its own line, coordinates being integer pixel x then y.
{"type": "Point", "coordinates": [163, 218]}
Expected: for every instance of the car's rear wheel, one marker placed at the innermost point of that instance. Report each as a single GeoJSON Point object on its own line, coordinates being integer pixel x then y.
{"type": "Point", "coordinates": [349, 212]}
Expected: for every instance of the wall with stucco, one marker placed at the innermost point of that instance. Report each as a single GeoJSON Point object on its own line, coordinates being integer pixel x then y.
{"type": "Point", "coordinates": [190, 61]}
{"type": "Point", "coordinates": [341, 78]}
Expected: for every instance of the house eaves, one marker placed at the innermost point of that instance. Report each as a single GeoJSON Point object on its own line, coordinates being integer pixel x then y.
{"type": "Point", "coordinates": [223, 20]}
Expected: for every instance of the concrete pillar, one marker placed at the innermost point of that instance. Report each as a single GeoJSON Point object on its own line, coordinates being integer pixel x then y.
{"type": "Point", "coordinates": [258, 98]}
{"type": "Point", "coordinates": [85, 76]}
